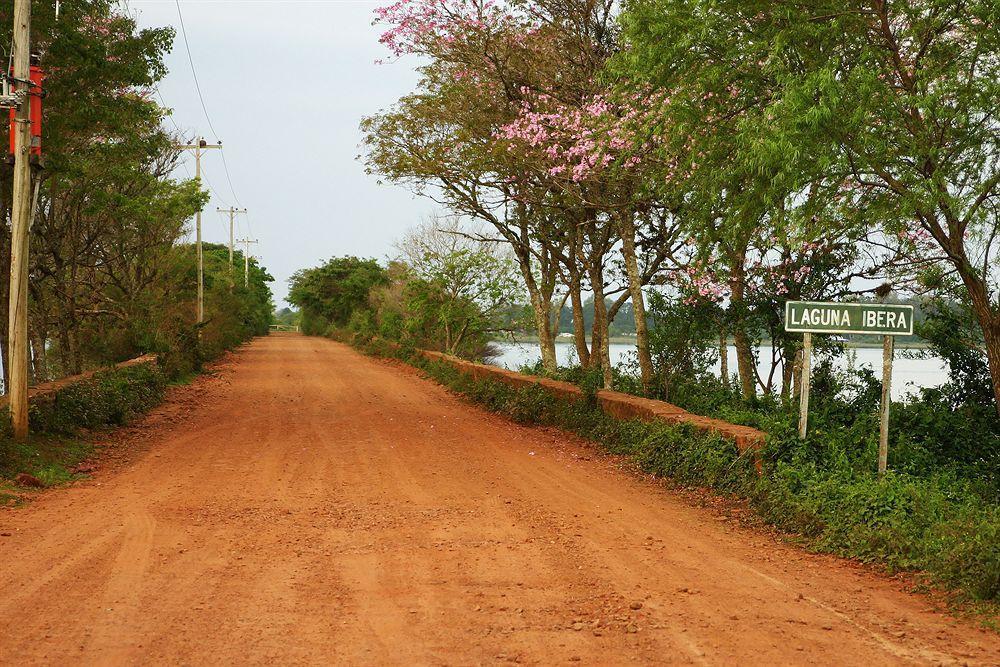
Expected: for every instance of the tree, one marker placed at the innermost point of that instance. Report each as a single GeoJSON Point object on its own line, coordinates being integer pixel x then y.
{"type": "Point", "coordinates": [329, 294]}
{"type": "Point", "coordinates": [466, 286]}
{"type": "Point", "coordinates": [486, 60]}
{"type": "Point", "coordinates": [885, 111]}
{"type": "Point", "coordinates": [106, 274]}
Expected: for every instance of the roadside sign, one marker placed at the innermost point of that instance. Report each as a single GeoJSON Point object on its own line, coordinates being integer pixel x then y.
{"type": "Point", "coordinates": [849, 318]}
{"type": "Point", "coordinates": [887, 320]}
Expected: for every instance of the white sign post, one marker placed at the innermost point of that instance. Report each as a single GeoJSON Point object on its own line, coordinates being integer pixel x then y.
{"type": "Point", "coordinates": [883, 428]}
{"type": "Point", "coordinates": [809, 317]}
{"type": "Point", "coordinates": [807, 346]}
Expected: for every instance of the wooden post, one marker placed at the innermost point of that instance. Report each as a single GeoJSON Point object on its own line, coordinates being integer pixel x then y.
{"type": "Point", "coordinates": [246, 260]}
{"type": "Point", "coordinates": [201, 256]}
{"type": "Point", "coordinates": [198, 147]}
{"type": "Point", "coordinates": [21, 205]}
{"type": "Point", "coordinates": [883, 433]}
{"type": "Point", "coordinates": [807, 343]}
{"type": "Point", "coordinates": [232, 221]}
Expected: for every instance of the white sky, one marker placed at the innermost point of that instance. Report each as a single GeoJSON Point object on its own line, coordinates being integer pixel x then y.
{"type": "Point", "coordinates": [286, 83]}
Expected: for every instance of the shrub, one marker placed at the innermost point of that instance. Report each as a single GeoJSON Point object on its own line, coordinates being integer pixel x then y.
{"type": "Point", "coordinates": [111, 397]}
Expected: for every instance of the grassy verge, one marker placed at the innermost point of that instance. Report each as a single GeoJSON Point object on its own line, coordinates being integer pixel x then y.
{"type": "Point", "coordinates": [938, 527]}
{"type": "Point", "coordinates": [58, 420]}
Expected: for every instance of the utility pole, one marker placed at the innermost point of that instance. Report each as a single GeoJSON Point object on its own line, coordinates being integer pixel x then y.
{"type": "Point", "coordinates": [198, 148]}
{"type": "Point", "coordinates": [232, 216]}
{"type": "Point", "coordinates": [246, 260]}
{"type": "Point", "coordinates": [21, 206]}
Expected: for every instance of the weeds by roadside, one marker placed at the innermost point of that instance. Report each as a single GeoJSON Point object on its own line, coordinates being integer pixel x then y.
{"type": "Point", "coordinates": [108, 398]}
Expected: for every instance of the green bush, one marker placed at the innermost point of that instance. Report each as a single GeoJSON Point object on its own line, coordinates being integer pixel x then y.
{"type": "Point", "coordinates": [111, 397]}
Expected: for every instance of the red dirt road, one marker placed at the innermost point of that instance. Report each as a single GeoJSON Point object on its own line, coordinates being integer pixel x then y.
{"type": "Point", "coordinates": [308, 505]}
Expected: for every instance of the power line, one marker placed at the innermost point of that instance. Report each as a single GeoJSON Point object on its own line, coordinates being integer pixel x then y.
{"type": "Point", "coordinates": [225, 165]}
{"type": "Point", "coordinates": [201, 98]}
{"type": "Point", "coordinates": [211, 188]}
{"type": "Point", "coordinates": [194, 73]}
{"type": "Point", "coordinates": [208, 119]}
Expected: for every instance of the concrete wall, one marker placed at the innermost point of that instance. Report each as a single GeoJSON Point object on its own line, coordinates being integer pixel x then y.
{"type": "Point", "coordinates": [614, 403]}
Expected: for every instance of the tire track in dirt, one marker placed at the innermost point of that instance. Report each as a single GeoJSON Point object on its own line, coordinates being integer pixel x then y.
{"type": "Point", "coordinates": [308, 505]}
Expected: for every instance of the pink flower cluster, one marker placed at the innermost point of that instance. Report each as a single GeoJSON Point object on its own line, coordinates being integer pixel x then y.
{"type": "Point", "coordinates": [699, 282]}
{"type": "Point", "coordinates": [766, 276]}
{"type": "Point", "coordinates": [577, 142]}
{"type": "Point", "coordinates": [417, 26]}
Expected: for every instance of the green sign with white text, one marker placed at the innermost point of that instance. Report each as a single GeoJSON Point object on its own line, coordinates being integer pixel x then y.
{"type": "Point", "coordinates": [844, 318]}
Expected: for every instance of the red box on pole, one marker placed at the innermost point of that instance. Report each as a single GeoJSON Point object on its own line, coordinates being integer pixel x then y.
{"type": "Point", "coordinates": [34, 112]}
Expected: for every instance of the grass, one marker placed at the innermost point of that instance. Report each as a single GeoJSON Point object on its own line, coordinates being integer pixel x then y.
{"type": "Point", "coordinates": [50, 458]}
{"type": "Point", "coordinates": [60, 420]}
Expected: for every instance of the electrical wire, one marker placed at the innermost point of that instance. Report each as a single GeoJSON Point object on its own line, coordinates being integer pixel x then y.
{"type": "Point", "coordinates": [229, 178]}
{"type": "Point", "coordinates": [211, 188]}
{"type": "Point", "coordinates": [204, 107]}
{"type": "Point", "coordinates": [177, 127]}
{"type": "Point", "coordinates": [194, 73]}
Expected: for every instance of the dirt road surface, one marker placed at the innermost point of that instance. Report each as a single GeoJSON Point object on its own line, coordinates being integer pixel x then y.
{"type": "Point", "coordinates": [308, 505]}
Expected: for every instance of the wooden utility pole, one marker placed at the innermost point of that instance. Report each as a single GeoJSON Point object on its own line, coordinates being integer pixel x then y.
{"type": "Point", "coordinates": [246, 260]}
{"type": "Point", "coordinates": [232, 217]}
{"type": "Point", "coordinates": [21, 206]}
{"type": "Point", "coordinates": [883, 430]}
{"type": "Point", "coordinates": [804, 383]}
{"type": "Point", "coordinates": [198, 148]}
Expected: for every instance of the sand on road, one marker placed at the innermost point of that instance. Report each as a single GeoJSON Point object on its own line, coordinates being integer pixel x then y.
{"type": "Point", "coordinates": [308, 505]}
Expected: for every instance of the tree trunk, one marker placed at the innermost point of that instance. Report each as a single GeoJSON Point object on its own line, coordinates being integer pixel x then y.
{"type": "Point", "coordinates": [626, 230]}
{"type": "Point", "coordinates": [75, 353]}
{"type": "Point", "coordinates": [579, 327]}
{"type": "Point", "coordinates": [744, 362]}
{"type": "Point", "coordinates": [546, 340]}
{"type": "Point", "coordinates": [540, 307]}
{"type": "Point", "coordinates": [3, 356]}
{"type": "Point", "coordinates": [39, 360]}
{"type": "Point", "coordinates": [601, 325]}
{"type": "Point", "coordinates": [744, 351]}
{"type": "Point", "coordinates": [989, 322]}
{"type": "Point", "coordinates": [65, 360]}
{"type": "Point", "coordinates": [797, 373]}
{"type": "Point", "coordinates": [993, 359]}
{"type": "Point", "coordinates": [787, 371]}
{"type": "Point", "coordinates": [724, 358]}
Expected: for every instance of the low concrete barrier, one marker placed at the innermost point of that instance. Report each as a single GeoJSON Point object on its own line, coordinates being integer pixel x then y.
{"type": "Point", "coordinates": [614, 403]}
{"type": "Point", "coordinates": [46, 388]}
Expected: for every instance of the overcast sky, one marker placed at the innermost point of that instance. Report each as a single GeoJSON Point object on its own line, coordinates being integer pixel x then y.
{"type": "Point", "coordinates": [286, 83]}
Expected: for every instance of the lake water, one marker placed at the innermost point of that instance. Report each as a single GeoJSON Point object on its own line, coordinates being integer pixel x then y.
{"type": "Point", "coordinates": [907, 374]}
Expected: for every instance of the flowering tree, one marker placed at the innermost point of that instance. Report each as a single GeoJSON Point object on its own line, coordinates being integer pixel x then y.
{"type": "Point", "coordinates": [894, 105]}
{"type": "Point", "coordinates": [590, 153]}
{"type": "Point", "coordinates": [485, 61]}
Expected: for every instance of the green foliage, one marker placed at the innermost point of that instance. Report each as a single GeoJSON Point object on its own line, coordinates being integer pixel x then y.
{"type": "Point", "coordinates": [446, 296]}
{"type": "Point", "coordinates": [286, 317]}
{"type": "Point", "coordinates": [108, 398]}
{"type": "Point", "coordinates": [840, 122]}
{"type": "Point", "coordinates": [111, 397]}
{"type": "Point", "coordinates": [953, 335]}
{"type": "Point", "coordinates": [329, 294]}
{"type": "Point", "coordinates": [682, 339]}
